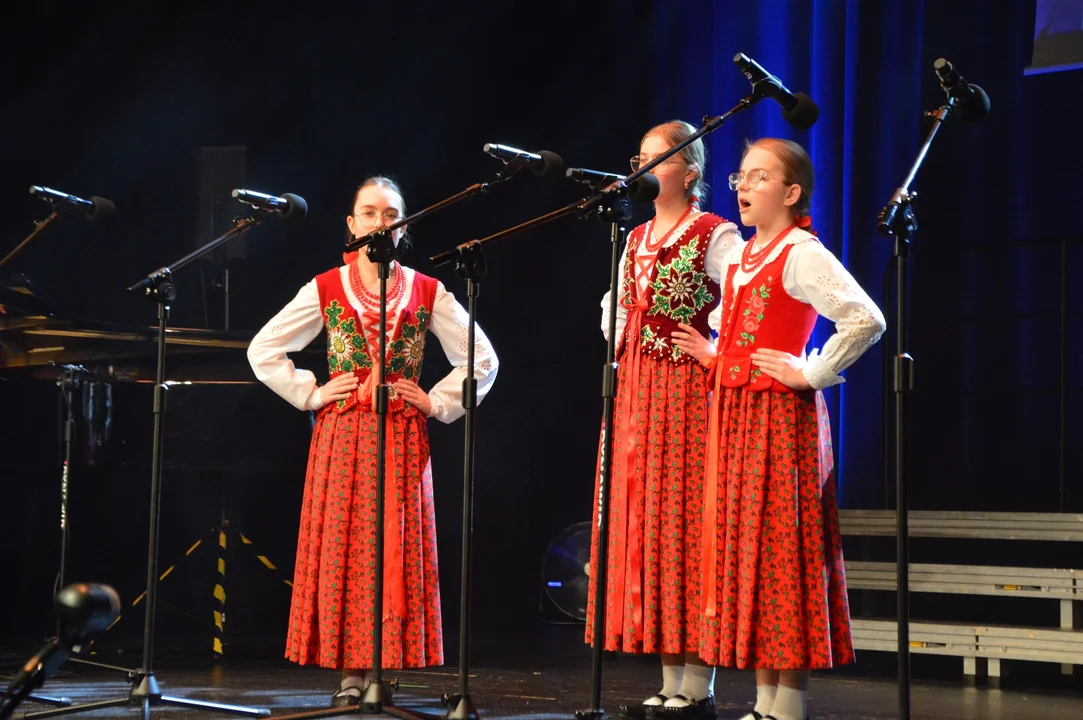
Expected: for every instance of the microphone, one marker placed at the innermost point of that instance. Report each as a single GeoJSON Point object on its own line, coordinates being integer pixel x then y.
{"type": "Point", "coordinates": [592, 177]}
{"type": "Point", "coordinates": [287, 206]}
{"type": "Point", "coordinates": [644, 189]}
{"type": "Point", "coordinates": [544, 163]}
{"type": "Point", "coordinates": [96, 208]}
{"type": "Point", "coordinates": [84, 610]}
{"type": "Point", "coordinates": [971, 101]}
{"type": "Point", "coordinates": [798, 109]}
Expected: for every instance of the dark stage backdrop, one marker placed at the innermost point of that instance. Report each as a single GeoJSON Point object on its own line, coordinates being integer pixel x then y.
{"type": "Point", "coordinates": [118, 102]}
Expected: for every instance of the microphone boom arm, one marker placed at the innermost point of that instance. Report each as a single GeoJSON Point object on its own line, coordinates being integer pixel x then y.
{"type": "Point", "coordinates": [39, 227]}
{"type": "Point", "coordinates": [241, 226]}
{"type": "Point", "coordinates": [475, 189]}
{"type": "Point", "coordinates": [582, 207]}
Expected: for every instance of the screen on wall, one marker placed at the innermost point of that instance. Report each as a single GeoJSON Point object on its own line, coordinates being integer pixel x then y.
{"type": "Point", "coordinates": [1058, 37]}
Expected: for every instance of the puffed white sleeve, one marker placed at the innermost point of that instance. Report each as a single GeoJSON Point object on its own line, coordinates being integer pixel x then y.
{"type": "Point", "coordinates": [723, 240]}
{"type": "Point", "coordinates": [814, 275]}
{"type": "Point", "coordinates": [622, 313]}
{"type": "Point", "coordinates": [450, 324]}
{"type": "Point", "coordinates": [291, 330]}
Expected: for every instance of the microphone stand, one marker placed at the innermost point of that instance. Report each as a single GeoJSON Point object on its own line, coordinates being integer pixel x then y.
{"type": "Point", "coordinates": [65, 382]}
{"type": "Point", "coordinates": [158, 286]}
{"type": "Point", "coordinates": [897, 220]}
{"type": "Point", "coordinates": [380, 248]}
{"type": "Point", "coordinates": [39, 227]}
{"type": "Point", "coordinates": [611, 206]}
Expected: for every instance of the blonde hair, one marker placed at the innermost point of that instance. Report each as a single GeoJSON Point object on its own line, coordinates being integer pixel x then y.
{"type": "Point", "coordinates": [694, 153]}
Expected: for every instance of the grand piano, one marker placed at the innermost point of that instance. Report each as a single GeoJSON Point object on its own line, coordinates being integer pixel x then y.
{"type": "Point", "coordinates": [207, 372]}
{"type": "Point", "coordinates": [36, 342]}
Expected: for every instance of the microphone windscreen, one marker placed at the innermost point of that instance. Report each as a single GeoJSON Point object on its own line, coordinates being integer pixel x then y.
{"type": "Point", "coordinates": [103, 211]}
{"type": "Point", "coordinates": [975, 107]}
{"type": "Point", "coordinates": [803, 115]}
{"type": "Point", "coordinates": [296, 207]}
{"type": "Point", "coordinates": [552, 165]}
{"type": "Point", "coordinates": [86, 608]}
{"type": "Point", "coordinates": [644, 189]}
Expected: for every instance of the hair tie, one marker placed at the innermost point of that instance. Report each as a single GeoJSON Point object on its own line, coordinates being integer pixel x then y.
{"type": "Point", "coordinates": [805, 223]}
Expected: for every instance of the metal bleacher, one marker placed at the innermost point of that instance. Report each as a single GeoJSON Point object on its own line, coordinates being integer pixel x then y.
{"type": "Point", "coordinates": [982, 647]}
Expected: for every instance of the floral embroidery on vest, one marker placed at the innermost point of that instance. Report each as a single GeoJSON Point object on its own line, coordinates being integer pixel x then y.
{"type": "Point", "coordinates": [679, 290]}
{"type": "Point", "coordinates": [753, 315]}
{"type": "Point", "coordinates": [627, 277]}
{"type": "Point", "coordinates": [345, 346]}
{"type": "Point", "coordinates": [408, 350]}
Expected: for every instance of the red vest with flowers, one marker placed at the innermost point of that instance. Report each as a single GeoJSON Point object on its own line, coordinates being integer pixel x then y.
{"type": "Point", "coordinates": [353, 339]}
{"type": "Point", "coordinates": [679, 292]}
{"type": "Point", "coordinates": [761, 314]}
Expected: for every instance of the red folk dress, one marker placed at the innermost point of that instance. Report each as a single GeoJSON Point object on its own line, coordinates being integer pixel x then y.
{"type": "Point", "coordinates": [774, 585]}
{"type": "Point", "coordinates": [659, 442]}
{"type": "Point", "coordinates": [333, 605]}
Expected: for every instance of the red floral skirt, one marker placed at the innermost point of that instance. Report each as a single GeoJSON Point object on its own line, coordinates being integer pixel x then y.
{"type": "Point", "coordinates": [331, 615]}
{"type": "Point", "coordinates": [779, 581]}
{"type": "Point", "coordinates": [655, 508]}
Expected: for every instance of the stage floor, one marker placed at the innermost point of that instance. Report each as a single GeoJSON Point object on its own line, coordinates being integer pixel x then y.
{"type": "Point", "coordinates": [539, 675]}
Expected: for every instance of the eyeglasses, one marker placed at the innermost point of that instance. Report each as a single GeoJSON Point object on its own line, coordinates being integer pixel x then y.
{"type": "Point", "coordinates": [368, 216]}
{"type": "Point", "coordinates": [636, 162]}
{"type": "Point", "coordinates": [752, 179]}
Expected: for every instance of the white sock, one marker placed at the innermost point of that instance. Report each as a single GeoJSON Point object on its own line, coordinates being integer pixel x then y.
{"type": "Point", "coordinates": [358, 681]}
{"type": "Point", "coordinates": [765, 699]}
{"type": "Point", "coordinates": [697, 684]}
{"type": "Point", "coordinates": [789, 704]}
{"type": "Point", "coordinates": [672, 675]}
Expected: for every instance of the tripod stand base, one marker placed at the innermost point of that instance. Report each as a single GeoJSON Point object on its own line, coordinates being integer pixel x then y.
{"type": "Point", "coordinates": [46, 700]}
{"type": "Point", "coordinates": [146, 693]}
{"type": "Point", "coordinates": [460, 707]}
{"type": "Point", "coordinates": [375, 701]}
{"type": "Point", "coordinates": [590, 714]}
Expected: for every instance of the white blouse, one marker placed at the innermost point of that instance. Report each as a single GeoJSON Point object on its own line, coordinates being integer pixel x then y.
{"type": "Point", "coordinates": [814, 276]}
{"type": "Point", "coordinates": [301, 321]}
{"type": "Point", "coordinates": [723, 239]}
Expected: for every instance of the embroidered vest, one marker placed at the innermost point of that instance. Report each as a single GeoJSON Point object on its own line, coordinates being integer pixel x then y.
{"type": "Point", "coordinates": [679, 290]}
{"type": "Point", "coordinates": [352, 344]}
{"type": "Point", "coordinates": [761, 314]}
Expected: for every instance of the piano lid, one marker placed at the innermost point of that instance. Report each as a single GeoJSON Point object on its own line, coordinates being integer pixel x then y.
{"type": "Point", "coordinates": [121, 352]}
{"type": "Point", "coordinates": [34, 341]}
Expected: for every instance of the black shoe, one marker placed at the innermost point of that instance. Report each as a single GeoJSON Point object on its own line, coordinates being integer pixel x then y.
{"type": "Point", "coordinates": [642, 711]}
{"type": "Point", "coordinates": [344, 698]}
{"type": "Point", "coordinates": [695, 710]}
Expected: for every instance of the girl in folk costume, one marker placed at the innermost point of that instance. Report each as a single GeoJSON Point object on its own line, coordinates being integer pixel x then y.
{"type": "Point", "coordinates": [669, 285]}
{"type": "Point", "coordinates": [331, 615]}
{"type": "Point", "coordinates": [774, 593]}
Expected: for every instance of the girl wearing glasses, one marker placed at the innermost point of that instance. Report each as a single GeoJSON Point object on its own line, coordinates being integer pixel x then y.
{"type": "Point", "coordinates": [671, 270]}
{"type": "Point", "coordinates": [331, 615]}
{"type": "Point", "coordinates": [774, 596]}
